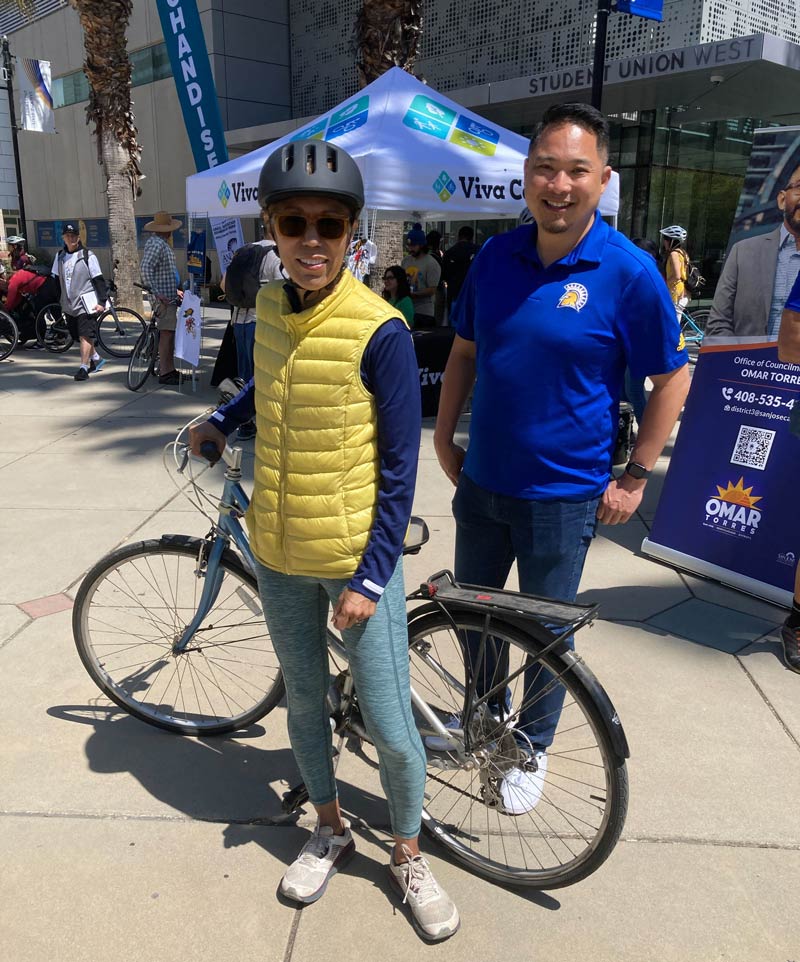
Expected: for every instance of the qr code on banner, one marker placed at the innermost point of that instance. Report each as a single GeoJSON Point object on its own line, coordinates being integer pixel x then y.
{"type": "Point", "coordinates": [752, 447]}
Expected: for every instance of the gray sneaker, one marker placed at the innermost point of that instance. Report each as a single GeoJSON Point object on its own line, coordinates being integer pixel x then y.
{"type": "Point", "coordinates": [319, 860]}
{"type": "Point", "coordinates": [433, 913]}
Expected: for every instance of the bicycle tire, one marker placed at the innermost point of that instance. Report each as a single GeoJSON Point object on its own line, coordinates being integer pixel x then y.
{"type": "Point", "coordinates": [9, 335]}
{"type": "Point", "coordinates": [579, 817]}
{"type": "Point", "coordinates": [143, 359]}
{"type": "Point", "coordinates": [119, 335]}
{"type": "Point", "coordinates": [52, 331]}
{"type": "Point", "coordinates": [125, 643]}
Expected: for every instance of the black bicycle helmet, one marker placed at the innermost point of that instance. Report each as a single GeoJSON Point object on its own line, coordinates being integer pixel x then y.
{"type": "Point", "coordinates": [311, 167]}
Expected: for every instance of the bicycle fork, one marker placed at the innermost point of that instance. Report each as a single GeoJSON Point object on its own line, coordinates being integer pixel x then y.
{"type": "Point", "coordinates": [208, 560]}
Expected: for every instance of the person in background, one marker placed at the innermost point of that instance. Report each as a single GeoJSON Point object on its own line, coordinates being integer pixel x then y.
{"type": "Point", "coordinates": [397, 292]}
{"type": "Point", "coordinates": [243, 319]}
{"type": "Point", "coordinates": [789, 353]}
{"type": "Point", "coordinates": [456, 261]}
{"type": "Point", "coordinates": [433, 241]}
{"type": "Point", "coordinates": [83, 296]}
{"type": "Point", "coordinates": [758, 274]}
{"type": "Point", "coordinates": [19, 256]}
{"type": "Point", "coordinates": [160, 274]}
{"type": "Point", "coordinates": [424, 274]}
{"type": "Point", "coordinates": [676, 264]}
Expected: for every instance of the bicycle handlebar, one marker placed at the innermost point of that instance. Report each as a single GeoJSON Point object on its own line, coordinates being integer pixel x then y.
{"type": "Point", "coordinates": [231, 456]}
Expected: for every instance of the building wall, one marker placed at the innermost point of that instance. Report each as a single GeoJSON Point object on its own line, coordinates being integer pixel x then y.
{"type": "Point", "coordinates": [9, 199]}
{"type": "Point", "coordinates": [737, 18]}
{"type": "Point", "coordinates": [468, 42]}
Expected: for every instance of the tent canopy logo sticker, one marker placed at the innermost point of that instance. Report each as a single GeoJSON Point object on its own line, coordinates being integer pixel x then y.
{"type": "Point", "coordinates": [445, 186]}
{"type": "Point", "coordinates": [429, 116]}
{"type": "Point", "coordinates": [224, 193]}
{"type": "Point", "coordinates": [733, 510]}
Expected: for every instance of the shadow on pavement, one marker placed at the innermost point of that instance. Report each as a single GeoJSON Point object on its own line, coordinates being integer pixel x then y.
{"type": "Point", "coordinates": [226, 780]}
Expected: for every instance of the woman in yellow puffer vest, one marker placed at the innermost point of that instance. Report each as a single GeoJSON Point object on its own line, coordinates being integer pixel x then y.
{"type": "Point", "coordinates": [337, 406]}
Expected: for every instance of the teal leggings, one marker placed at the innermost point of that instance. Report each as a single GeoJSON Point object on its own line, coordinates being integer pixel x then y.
{"type": "Point", "coordinates": [296, 611]}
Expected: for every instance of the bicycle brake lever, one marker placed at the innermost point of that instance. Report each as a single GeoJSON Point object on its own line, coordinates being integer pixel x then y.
{"type": "Point", "coordinates": [185, 460]}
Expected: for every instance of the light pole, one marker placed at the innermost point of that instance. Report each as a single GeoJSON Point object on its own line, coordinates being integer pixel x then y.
{"type": "Point", "coordinates": [598, 71]}
{"type": "Point", "coordinates": [8, 69]}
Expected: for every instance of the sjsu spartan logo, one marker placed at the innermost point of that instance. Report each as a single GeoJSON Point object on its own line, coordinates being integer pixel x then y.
{"type": "Point", "coordinates": [574, 296]}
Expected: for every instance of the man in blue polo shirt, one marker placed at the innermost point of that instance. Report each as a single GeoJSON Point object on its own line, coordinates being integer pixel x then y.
{"type": "Point", "coordinates": [547, 320]}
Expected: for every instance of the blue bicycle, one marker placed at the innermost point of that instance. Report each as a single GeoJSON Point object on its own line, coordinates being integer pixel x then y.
{"type": "Point", "coordinates": [693, 328]}
{"type": "Point", "coordinates": [172, 631]}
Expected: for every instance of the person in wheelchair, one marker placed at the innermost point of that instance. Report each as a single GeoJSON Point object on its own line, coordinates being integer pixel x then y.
{"type": "Point", "coordinates": [28, 292]}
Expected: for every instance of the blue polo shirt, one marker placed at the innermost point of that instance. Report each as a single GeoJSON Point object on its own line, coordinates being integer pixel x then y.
{"type": "Point", "coordinates": [552, 345]}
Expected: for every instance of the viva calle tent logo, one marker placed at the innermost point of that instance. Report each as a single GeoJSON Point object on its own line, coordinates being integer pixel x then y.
{"type": "Point", "coordinates": [733, 510]}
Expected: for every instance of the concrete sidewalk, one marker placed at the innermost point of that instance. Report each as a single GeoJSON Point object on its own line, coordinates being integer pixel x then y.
{"type": "Point", "coordinates": [119, 841]}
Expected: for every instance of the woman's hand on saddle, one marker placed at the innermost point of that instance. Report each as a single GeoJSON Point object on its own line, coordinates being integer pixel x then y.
{"type": "Point", "coordinates": [351, 609]}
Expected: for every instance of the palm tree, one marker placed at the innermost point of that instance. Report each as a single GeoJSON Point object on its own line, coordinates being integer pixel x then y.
{"type": "Point", "coordinates": [387, 34]}
{"type": "Point", "coordinates": [108, 70]}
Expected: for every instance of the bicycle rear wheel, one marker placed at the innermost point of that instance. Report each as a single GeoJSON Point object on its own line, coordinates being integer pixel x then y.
{"type": "Point", "coordinates": [119, 330]}
{"type": "Point", "coordinates": [51, 329]}
{"type": "Point", "coordinates": [578, 819]}
{"type": "Point", "coordinates": [143, 359]}
{"type": "Point", "coordinates": [9, 334]}
{"type": "Point", "coordinates": [135, 603]}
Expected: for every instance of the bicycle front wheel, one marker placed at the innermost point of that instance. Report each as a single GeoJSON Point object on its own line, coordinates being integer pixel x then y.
{"type": "Point", "coordinates": [51, 329]}
{"type": "Point", "coordinates": [133, 606]}
{"type": "Point", "coordinates": [119, 330]}
{"type": "Point", "coordinates": [475, 804]}
{"type": "Point", "coordinates": [9, 335]}
{"type": "Point", "coordinates": [143, 359]}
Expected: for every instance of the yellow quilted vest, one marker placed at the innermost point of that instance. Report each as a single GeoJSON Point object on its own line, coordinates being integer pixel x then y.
{"type": "Point", "coordinates": [316, 470]}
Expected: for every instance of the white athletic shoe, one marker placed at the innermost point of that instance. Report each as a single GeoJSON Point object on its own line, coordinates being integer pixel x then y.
{"type": "Point", "coordinates": [522, 788]}
{"type": "Point", "coordinates": [433, 912]}
{"type": "Point", "coordinates": [319, 860]}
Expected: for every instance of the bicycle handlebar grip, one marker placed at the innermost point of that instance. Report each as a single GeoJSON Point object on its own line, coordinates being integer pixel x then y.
{"type": "Point", "coordinates": [210, 452]}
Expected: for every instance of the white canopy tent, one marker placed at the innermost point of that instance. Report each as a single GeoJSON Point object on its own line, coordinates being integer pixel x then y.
{"type": "Point", "coordinates": [422, 156]}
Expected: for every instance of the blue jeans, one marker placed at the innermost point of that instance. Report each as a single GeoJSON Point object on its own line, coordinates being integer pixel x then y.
{"type": "Point", "coordinates": [549, 541]}
{"type": "Point", "coordinates": [245, 337]}
{"type": "Point", "coordinates": [296, 609]}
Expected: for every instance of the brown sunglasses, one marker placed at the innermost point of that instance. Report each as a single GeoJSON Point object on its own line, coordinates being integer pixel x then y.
{"type": "Point", "coordinates": [295, 225]}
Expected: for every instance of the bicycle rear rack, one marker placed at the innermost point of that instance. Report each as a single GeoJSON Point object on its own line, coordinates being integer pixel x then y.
{"type": "Point", "coordinates": [562, 614]}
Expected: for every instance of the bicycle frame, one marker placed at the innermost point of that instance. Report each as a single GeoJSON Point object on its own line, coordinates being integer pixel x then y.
{"type": "Point", "coordinates": [233, 504]}
{"type": "Point", "coordinates": [692, 334]}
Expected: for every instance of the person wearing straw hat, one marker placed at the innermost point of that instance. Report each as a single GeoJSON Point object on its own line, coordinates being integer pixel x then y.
{"type": "Point", "coordinates": [159, 273]}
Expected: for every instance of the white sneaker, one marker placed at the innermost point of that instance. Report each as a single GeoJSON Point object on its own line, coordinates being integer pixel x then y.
{"type": "Point", "coordinates": [433, 913]}
{"type": "Point", "coordinates": [522, 788]}
{"type": "Point", "coordinates": [438, 743]}
{"type": "Point", "coordinates": [319, 860]}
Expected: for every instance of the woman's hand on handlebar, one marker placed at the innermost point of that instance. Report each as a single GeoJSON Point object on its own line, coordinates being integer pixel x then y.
{"type": "Point", "coordinates": [200, 433]}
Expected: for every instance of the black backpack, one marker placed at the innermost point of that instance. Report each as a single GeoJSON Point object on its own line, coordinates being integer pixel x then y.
{"type": "Point", "coordinates": [243, 277]}
{"type": "Point", "coordinates": [695, 281]}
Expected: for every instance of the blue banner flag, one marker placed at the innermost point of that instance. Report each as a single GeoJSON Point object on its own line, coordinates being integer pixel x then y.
{"type": "Point", "coordinates": [727, 509]}
{"type": "Point", "coordinates": [196, 253]}
{"type": "Point", "coordinates": [649, 9]}
{"type": "Point", "coordinates": [186, 46]}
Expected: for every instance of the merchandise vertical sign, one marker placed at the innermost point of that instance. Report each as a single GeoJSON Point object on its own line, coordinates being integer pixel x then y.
{"type": "Point", "coordinates": [188, 55]}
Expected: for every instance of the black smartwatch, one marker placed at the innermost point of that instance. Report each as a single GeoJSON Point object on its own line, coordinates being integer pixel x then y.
{"type": "Point", "coordinates": [636, 470]}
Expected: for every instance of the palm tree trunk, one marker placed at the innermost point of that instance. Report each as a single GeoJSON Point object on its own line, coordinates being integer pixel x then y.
{"type": "Point", "coordinates": [387, 34]}
{"type": "Point", "coordinates": [108, 70]}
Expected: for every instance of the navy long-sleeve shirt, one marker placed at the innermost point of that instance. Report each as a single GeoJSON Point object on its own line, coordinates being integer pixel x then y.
{"type": "Point", "coordinates": [390, 373]}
